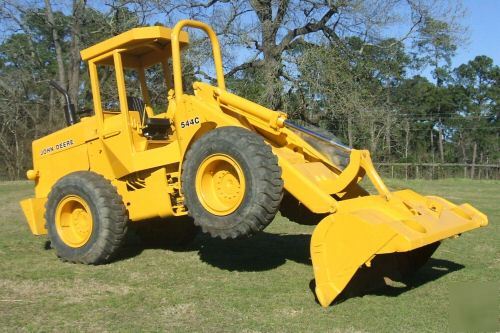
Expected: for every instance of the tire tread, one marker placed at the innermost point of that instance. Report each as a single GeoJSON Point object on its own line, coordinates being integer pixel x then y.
{"type": "Point", "coordinates": [267, 182]}
{"type": "Point", "coordinates": [111, 211]}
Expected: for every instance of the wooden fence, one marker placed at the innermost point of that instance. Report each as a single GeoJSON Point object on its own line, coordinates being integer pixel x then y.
{"type": "Point", "coordinates": [423, 171]}
{"type": "Point", "coordinates": [439, 170]}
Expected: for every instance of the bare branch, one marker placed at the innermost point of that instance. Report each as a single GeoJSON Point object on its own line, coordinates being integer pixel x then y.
{"type": "Point", "coordinates": [207, 4]}
{"type": "Point", "coordinates": [280, 14]}
{"type": "Point", "coordinates": [244, 66]}
{"type": "Point", "coordinates": [306, 29]}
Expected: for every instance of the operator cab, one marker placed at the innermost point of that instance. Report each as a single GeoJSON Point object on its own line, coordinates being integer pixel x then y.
{"type": "Point", "coordinates": [123, 72]}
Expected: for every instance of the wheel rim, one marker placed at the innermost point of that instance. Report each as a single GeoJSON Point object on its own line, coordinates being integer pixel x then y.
{"type": "Point", "coordinates": [73, 221]}
{"type": "Point", "coordinates": [220, 184]}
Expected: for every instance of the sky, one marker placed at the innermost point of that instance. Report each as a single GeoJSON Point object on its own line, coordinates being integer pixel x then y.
{"type": "Point", "coordinates": [483, 22]}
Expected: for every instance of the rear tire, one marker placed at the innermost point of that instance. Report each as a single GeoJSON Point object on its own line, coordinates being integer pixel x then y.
{"type": "Point", "coordinates": [86, 218]}
{"type": "Point", "coordinates": [231, 182]}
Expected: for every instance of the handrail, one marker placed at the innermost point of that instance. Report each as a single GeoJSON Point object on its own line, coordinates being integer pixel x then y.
{"type": "Point", "coordinates": [176, 55]}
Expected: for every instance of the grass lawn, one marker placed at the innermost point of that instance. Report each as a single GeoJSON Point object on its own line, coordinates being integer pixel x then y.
{"type": "Point", "coordinates": [255, 285]}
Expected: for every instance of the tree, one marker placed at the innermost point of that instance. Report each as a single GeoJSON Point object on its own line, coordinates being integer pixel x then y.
{"type": "Point", "coordinates": [477, 97]}
{"type": "Point", "coordinates": [44, 44]}
{"type": "Point", "coordinates": [336, 64]}
{"type": "Point", "coordinates": [355, 95]}
{"type": "Point", "coordinates": [413, 98]}
{"type": "Point", "coordinates": [436, 45]}
{"type": "Point", "coordinates": [269, 29]}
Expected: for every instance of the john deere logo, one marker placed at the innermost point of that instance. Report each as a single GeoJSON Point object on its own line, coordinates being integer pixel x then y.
{"type": "Point", "coordinates": [58, 146]}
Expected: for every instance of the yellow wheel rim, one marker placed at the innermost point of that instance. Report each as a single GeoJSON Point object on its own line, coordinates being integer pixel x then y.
{"type": "Point", "coordinates": [220, 184]}
{"type": "Point", "coordinates": [73, 221]}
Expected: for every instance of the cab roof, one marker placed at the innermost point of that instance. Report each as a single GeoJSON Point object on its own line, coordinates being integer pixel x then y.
{"type": "Point", "coordinates": [136, 42]}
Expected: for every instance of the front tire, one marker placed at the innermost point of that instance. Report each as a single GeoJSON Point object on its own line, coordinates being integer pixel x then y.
{"type": "Point", "coordinates": [86, 218]}
{"type": "Point", "coordinates": [231, 183]}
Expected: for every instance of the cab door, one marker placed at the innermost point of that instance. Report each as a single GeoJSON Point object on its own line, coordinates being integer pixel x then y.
{"type": "Point", "coordinates": [111, 154]}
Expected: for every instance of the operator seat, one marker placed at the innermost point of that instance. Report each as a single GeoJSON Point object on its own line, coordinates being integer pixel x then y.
{"type": "Point", "coordinates": [153, 128]}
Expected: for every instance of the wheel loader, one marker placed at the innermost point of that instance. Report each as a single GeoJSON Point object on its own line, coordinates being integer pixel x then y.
{"type": "Point", "coordinates": [217, 159]}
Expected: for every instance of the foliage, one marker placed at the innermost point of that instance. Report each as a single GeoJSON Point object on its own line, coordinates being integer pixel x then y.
{"type": "Point", "coordinates": [337, 64]}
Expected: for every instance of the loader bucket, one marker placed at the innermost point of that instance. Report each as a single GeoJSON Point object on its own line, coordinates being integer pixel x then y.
{"type": "Point", "coordinates": [406, 224]}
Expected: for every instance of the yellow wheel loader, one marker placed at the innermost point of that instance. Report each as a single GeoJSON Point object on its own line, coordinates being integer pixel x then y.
{"type": "Point", "coordinates": [217, 159]}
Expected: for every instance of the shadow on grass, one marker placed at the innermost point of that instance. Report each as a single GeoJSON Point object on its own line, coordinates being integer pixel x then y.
{"type": "Point", "coordinates": [433, 270]}
{"type": "Point", "coordinates": [266, 251]}
{"type": "Point", "coordinates": [388, 282]}
{"type": "Point", "coordinates": [261, 252]}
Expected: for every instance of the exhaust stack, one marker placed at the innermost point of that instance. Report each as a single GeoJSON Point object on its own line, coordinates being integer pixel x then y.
{"type": "Point", "coordinates": [69, 108]}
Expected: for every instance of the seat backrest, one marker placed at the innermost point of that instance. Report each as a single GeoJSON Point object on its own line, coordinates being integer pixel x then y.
{"type": "Point", "coordinates": [152, 128]}
{"type": "Point", "coordinates": [137, 104]}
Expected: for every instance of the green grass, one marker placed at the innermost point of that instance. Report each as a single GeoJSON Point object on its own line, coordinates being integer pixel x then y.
{"type": "Point", "coordinates": [256, 285]}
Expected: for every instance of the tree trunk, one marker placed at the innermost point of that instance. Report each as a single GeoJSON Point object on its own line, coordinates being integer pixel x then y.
{"type": "Point", "coordinates": [74, 63]}
{"type": "Point", "coordinates": [52, 106]}
{"type": "Point", "coordinates": [373, 140]}
{"type": "Point", "coordinates": [407, 139]}
{"type": "Point", "coordinates": [480, 170]}
{"type": "Point", "coordinates": [349, 129]}
{"type": "Point", "coordinates": [57, 44]}
{"type": "Point", "coordinates": [463, 148]}
{"type": "Point", "coordinates": [272, 95]}
{"type": "Point", "coordinates": [271, 15]}
{"type": "Point", "coordinates": [441, 148]}
{"type": "Point", "coordinates": [387, 134]}
{"type": "Point", "coordinates": [439, 83]}
{"type": "Point", "coordinates": [432, 145]}
{"type": "Point", "coordinates": [474, 155]}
